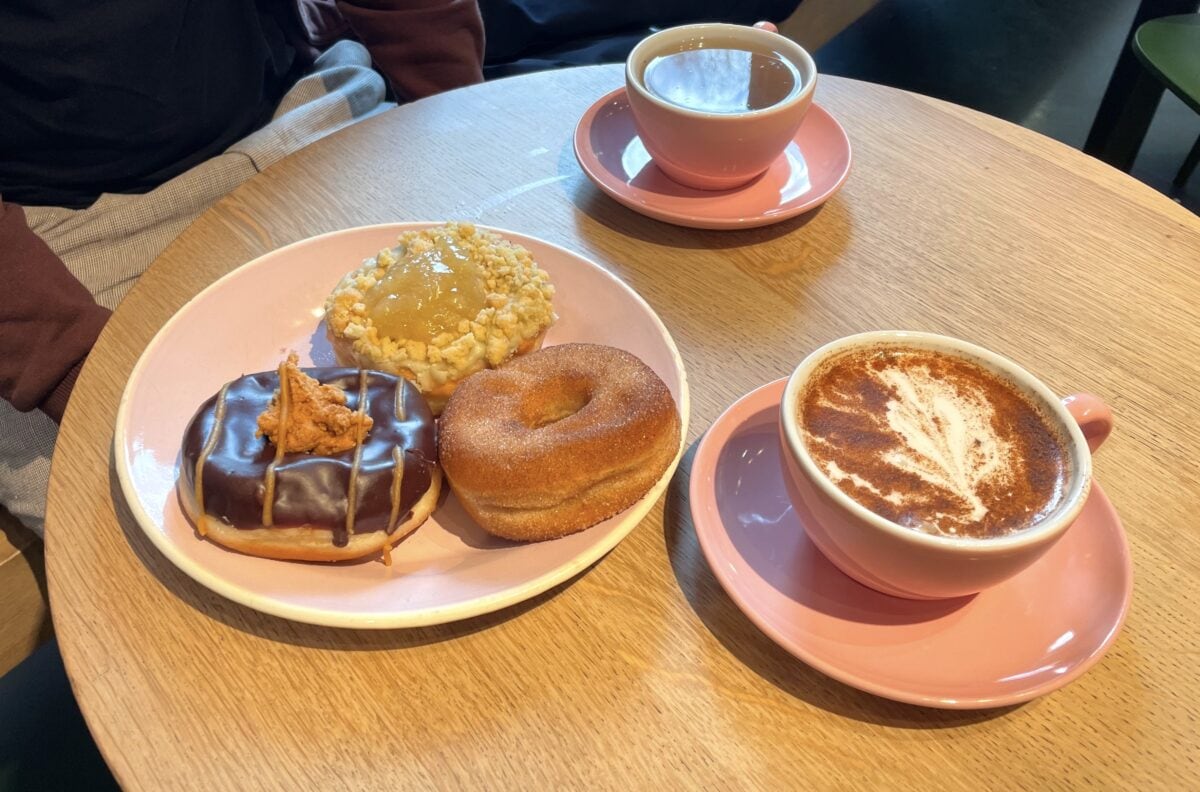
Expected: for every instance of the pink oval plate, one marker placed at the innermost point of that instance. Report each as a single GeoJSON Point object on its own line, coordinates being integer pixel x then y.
{"type": "Point", "coordinates": [1026, 637]}
{"type": "Point", "coordinates": [806, 175]}
{"type": "Point", "coordinates": [449, 568]}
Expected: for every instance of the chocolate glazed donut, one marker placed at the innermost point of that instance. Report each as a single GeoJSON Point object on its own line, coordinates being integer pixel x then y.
{"type": "Point", "coordinates": [304, 506]}
{"type": "Point", "coordinates": [557, 440]}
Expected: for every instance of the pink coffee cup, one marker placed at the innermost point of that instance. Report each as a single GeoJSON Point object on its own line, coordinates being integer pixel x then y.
{"type": "Point", "coordinates": [910, 563]}
{"type": "Point", "coordinates": [710, 150]}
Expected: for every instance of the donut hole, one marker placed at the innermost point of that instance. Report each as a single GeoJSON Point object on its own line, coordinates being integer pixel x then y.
{"type": "Point", "coordinates": [554, 401]}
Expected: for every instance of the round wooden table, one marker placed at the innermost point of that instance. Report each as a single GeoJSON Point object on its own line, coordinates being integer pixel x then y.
{"type": "Point", "coordinates": [641, 672]}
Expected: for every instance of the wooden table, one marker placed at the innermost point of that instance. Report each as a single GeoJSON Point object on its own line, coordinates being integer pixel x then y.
{"type": "Point", "coordinates": [641, 673]}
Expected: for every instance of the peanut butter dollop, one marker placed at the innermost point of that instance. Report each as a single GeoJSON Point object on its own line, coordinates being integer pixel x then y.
{"type": "Point", "coordinates": [319, 422]}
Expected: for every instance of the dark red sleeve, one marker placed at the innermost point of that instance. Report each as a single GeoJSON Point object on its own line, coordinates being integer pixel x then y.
{"type": "Point", "coordinates": [48, 320]}
{"type": "Point", "coordinates": [422, 46]}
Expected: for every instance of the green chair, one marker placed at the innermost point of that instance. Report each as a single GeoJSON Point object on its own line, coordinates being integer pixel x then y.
{"type": "Point", "coordinates": [1169, 48]}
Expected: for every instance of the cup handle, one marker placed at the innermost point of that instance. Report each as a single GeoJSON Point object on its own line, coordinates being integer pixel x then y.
{"type": "Point", "coordinates": [767, 26]}
{"type": "Point", "coordinates": [1093, 416]}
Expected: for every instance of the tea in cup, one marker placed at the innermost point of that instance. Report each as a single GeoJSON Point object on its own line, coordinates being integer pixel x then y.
{"type": "Point", "coordinates": [926, 467]}
{"type": "Point", "coordinates": [716, 104]}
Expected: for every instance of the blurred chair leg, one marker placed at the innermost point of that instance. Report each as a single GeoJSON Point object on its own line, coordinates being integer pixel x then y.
{"type": "Point", "coordinates": [1189, 165]}
{"type": "Point", "coordinates": [1117, 137]}
{"type": "Point", "coordinates": [1128, 106]}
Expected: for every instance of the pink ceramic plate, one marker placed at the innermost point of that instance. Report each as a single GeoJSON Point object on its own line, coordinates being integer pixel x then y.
{"type": "Point", "coordinates": [1028, 636]}
{"type": "Point", "coordinates": [805, 176]}
{"type": "Point", "coordinates": [449, 568]}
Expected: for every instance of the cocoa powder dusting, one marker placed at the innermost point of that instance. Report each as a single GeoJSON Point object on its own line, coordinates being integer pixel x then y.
{"type": "Point", "coordinates": [933, 441]}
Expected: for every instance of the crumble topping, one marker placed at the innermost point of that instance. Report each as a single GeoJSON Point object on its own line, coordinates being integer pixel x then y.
{"type": "Point", "coordinates": [516, 309]}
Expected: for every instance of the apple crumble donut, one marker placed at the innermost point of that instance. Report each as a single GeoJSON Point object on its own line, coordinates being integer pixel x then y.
{"type": "Point", "coordinates": [444, 303]}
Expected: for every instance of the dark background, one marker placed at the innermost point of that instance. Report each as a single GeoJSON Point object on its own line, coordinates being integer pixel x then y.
{"type": "Point", "coordinates": [1043, 64]}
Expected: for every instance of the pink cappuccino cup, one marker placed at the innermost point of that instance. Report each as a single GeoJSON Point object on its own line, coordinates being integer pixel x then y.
{"type": "Point", "coordinates": [898, 559]}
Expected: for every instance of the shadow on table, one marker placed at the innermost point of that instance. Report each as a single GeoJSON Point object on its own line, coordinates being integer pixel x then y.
{"type": "Point", "coordinates": [762, 655]}
{"type": "Point", "coordinates": [604, 210]}
{"type": "Point", "coordinates": [592, 202]}
{"type": "Point", "coordinates": [780, 264]}
{"type": "Point", "coordinates": [274, 628]}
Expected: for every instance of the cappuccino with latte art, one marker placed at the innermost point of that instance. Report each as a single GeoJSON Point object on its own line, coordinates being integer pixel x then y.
{"type": "Point", "coordinates": [934, 442]}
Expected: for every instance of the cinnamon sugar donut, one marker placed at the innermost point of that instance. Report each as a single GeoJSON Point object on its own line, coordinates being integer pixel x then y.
{"type": "Point", "coordinates": [557, 440]}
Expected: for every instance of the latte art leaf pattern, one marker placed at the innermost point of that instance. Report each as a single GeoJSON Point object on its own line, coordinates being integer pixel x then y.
{"type": "Point", "coordinates": [933, 442]}
{"type": "Point", "coordinates": [948, 434]}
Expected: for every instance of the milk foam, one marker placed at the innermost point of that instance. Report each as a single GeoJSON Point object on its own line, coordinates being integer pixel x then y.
{"type": "Point", "coordinates": [933, 441]}
{"type": "Point", "coordinates": [947, 437]}
{"type": "Point", "coordinates": [943, 434]}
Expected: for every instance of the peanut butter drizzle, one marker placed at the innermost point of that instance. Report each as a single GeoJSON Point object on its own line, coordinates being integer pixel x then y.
{"type": "Point", "coordinates": [400, 414]}
{"type": "Point", "coordinates": [209, 445]}
{"type": "Point", "coordinates": [397, 480]}
{"type": "Point", "coordinates": [387, 542]}
{"type": "Point", "coordinates": [285, 408]}
{"type": "Point", "coordinates": [352, 494]}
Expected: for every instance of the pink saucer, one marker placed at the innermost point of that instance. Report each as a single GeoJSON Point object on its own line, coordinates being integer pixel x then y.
{"type": "Point", "coordinates": [805, 176]}
{"type": "Point", "coordinates": [1026, 637]}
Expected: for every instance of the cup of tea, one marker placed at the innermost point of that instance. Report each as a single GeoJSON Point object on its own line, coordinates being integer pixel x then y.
{"type": "Point", "coordinates": [926, 467]}
{"type": "Point", "coordinates": [716, 104]}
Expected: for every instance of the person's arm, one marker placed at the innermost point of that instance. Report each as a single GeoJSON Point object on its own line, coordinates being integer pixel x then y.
{"type": "Point", "coordinates": [48, 320]}
{"type": "Point", "coordinates": [423, 47]}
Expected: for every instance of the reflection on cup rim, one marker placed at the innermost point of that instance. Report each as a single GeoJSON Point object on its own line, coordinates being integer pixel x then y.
{"type": "Point", "coordinates": [1080, 456]}
{"type": "Point", "coordinates": [780, 44]}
